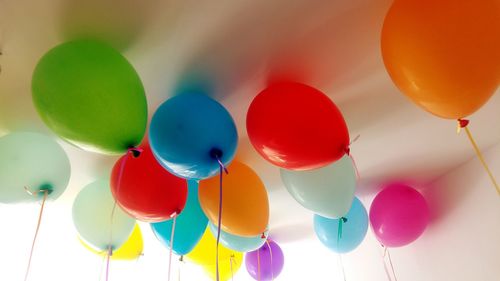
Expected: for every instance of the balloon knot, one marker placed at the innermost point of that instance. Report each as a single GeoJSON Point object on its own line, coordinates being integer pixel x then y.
{"type": "Point", "coordinates": [263, 236]}
{"type": "Point", "coordinates": [463, 123]}
{"type": "Point", "coordinates": [135, 151]}
{"type": "Point", "coordinates": [348, 151]}
{"type": "Point", "coordinates": [344, 219]}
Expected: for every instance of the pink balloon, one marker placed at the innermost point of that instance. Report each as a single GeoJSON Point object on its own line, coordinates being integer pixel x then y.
{"type": "Point", "coordinates": [398, 215]}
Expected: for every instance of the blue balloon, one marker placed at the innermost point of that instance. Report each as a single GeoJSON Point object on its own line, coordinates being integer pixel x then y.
{"type": "Point", "coordinates": [353, 229]}
{"type": "Point", "coordinates": [239, 243]}
{"type": "Point", "coordinates": [187, 134]}
{"type": "Point", "coordinates": [189, 226]}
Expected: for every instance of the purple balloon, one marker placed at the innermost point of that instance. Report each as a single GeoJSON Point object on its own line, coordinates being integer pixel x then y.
{"type": "Point", "coordinates": [271, 262]}
{"type": "Point", "coordinates": [398, 215]}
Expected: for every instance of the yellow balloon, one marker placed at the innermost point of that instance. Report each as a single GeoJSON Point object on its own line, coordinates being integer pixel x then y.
{"type": "Point", "coordinates": [131, 250]}
{"type": "Point", "coordinates": [204, 255]}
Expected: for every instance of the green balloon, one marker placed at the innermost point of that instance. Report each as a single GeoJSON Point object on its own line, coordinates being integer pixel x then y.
{"type": "Point", "coordinates": [91, 96]}
{"type": "Point", "coordinates": [34, 161]}
{"type": "Point", "coordinates": [100, 222]}
{"type": "Point", "coordinates": [327, 191]}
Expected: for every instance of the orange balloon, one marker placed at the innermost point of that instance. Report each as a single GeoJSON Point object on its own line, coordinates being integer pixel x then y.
{"type": "Point", "coordinates": [444, 54]}
{"type": "Point", "coordinates": [245, 206]}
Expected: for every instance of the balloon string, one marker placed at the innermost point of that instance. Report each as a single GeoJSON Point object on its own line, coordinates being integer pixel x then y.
{"type": "Point", "coordinates": [231, 266]}
{"type": "Point", "coordinates": [348, 152]}
{"type": "Point", "coordinates": [258, 264]}
{"type": "Point", "coordinates": [181, 261]}
{"type": "Point", "coordinates": [103, 261]}
{"type": "Point", "coordinates": [462, 123]}
{"type": "Point", "coordinates": [342, 220]}
{"type": "Point", "coordinates": [388, 254]}
{"type": "Point", "coordinates": [270, 258]}
{"type": "Point", "coordinates": [171, 246]}
{"type": "Point", "coordinates": [45, 194]}
{"type": "Point", "coordinates": [342, 267]}
{"type": "Point", "coordinates": [222, 169]}
{"type": "Point", "coordinates": [108, 257]}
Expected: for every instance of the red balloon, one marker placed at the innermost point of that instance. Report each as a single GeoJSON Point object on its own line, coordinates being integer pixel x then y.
{"type": "Point", "coordinates": [296, 127]}
{"type": "Point", "coordinates": [146, 190]}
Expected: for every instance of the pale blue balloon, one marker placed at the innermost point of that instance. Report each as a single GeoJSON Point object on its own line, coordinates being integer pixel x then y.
{"type": "Point", "coordinates": [187, 134]}
{"type": "Point", "coordinates": [99, 221]}
{"type": "Point", "coordinates": [239, 243]}
{"type": "Point", "coordinates": [326, 191]}
{"type": "Point", "coordinates": [353, 229]}
{"type": "Point", "coordinates": [189, 225]}
{"type": "Point", "coordinates": [31, 162]}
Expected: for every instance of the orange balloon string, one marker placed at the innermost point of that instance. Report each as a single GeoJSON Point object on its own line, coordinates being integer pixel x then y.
{"type": "Point", "coordinates": [258, 265]}
{"type": "Point", "coordinates": [462, 123]}
{"type": "Point", "coordinates": [45, 194]}
{"type": "Point", "coordinates": [171, 246]}
{"type": "Point", "coordinates": [270, 258]}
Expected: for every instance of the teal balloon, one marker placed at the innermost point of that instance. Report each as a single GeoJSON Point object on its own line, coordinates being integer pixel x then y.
{"type": "Point", "coordinates": [188, 132]}
{"type": "Point", "coordinates": [189, 225]}
{"type": "Point", "coordinates": [327, 191]}
{"type": "Point", "coordinates": [34, 161]}
{"type": "Point", "coordinates": [98, 220]}
{"type": "Point", "coordinates": [91, 96]}
{"type": "Point", "coordinates": [345, 236]}
{"type": "Point", "coordinates": [239, 243]}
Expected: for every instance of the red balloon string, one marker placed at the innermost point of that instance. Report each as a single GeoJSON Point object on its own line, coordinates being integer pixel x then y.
{"type": "Point", "coordinates": [108, 257]}
{"type": "Point", "coordinates": [171, 246]}
{"type": "Point", "coordinates": [45, 194]}
{"type": "Point", "coordinates": [222, 169]}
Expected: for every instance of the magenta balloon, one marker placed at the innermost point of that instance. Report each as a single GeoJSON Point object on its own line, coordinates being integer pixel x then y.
{"type": "Point", "coordinates": [271, 262]}
{"type": "Point", "coordinates": [398, 215]}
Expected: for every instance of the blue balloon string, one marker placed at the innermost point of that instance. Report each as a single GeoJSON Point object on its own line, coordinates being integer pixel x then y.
{"type": "Point", "coordinates": [222, 169]}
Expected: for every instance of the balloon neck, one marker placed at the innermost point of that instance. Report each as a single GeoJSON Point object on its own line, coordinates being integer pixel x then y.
{"type": "Point", "coordinates": [347, 151]}
{"type": "Point", "coordinates": [216, 153]}
{"type": "Point", "coordinates": [344, 219]}
{"type": "Point", "coordinates": [463, 123]}
{"type": "Point", "coordinates": [40, 192]}
{"type": "Point", "coordinates": [134, 151]}
{"type": "Point", "coordinates": [181, 258]}
{"type": "Point", "coordinates": [263, 236]}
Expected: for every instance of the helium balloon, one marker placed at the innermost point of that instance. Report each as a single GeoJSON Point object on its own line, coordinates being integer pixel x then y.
{"type": "Point", "coordinates": [266, 263]}
{"type": "Point", "coordinates": [189, 226]}
{"type": "Point", "coordinates": [131, 250]}
{"type": "Point", "coordinates": [189, 132]}
{"type": "Point", "coordinates": [32, 161]}
{"type": "Point", "coordinates": [296, 127]}
{"type": "Point", "coordinates": [91, 96]}
{"type": "Point", "coordinates": [398, 215]}
{"type": "Point", "coordinates": [204, 255]}
{"type": "Point", "coordinates": [239, 243]}
{"type": "Point", "coordinates": [346, 235]}
{"type": "Point", "coordinates": [444, 54]}
{"type": "Point", "coordinates": [145, 190]}
{"type": "Point", "coordinates": [98, 220]}
{"type": "Point", "coordinates": [327, 191]}
{"type": "Point", "coordinates": [245, 204]}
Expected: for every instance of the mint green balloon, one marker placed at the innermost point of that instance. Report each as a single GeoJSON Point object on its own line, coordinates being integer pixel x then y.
{"type": "Point", "coordinates": [34, 161]}
{"type": "Point", "coordinates": [327, 191]}
{"type": "Point", "coordinates": [92, 212]}
{"type": "Point", "coordinates": [91, 96]}
{"type": "Point", "coordinates": [239, 243]}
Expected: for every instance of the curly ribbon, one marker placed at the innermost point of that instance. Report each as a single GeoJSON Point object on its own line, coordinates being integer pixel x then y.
{"type": "Point", "coordinates": [462, 124]}
{"type": "Point", "coordinates": [342, 220]}
{"type": "Point", "coordinates": [45, 194]}
{"type": "Point", "coordinates": [217, 154]}
{"type": "Point", "coordinates": [387, 254]}
{"type": "Point", "coordinates": [171, 246]}
{"type": "Point", "coordinates": [342, 267]}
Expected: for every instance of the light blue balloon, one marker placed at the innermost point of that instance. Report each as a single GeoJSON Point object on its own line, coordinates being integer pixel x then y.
{"type": "Point", "coordinates": [239, 243]}
{"type": "Point", "coordinates": [189, 226]}
{"type": "Point", "coordinates": [353, 229]}
{"type": "Point", "coordinates": [186, 133]}
{"type": "Point", "coordinates": [32, 161]}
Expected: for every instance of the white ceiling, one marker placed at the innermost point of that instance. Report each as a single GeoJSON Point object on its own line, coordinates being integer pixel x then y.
{"type": "Point", "coordinates": [239, 45]}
